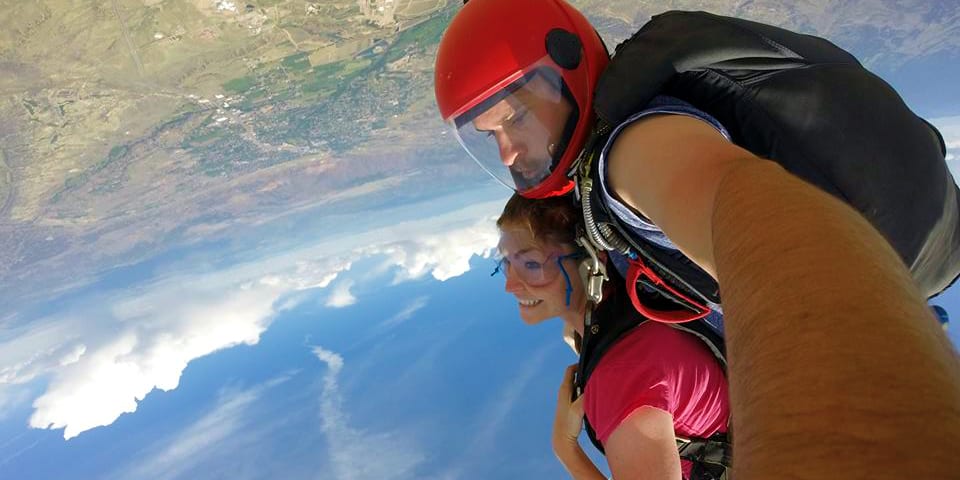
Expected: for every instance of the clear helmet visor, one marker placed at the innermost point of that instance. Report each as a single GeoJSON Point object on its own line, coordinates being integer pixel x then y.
{"type": "Point", "coordinates": [519, 134]}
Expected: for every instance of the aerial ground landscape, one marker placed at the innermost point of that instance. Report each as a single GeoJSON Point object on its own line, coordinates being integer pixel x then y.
{"type": "Point", "coordinates": [236, 240]}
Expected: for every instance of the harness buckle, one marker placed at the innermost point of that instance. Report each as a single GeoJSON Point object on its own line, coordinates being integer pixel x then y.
{"type": "Point", "coordinates": [592, 271]}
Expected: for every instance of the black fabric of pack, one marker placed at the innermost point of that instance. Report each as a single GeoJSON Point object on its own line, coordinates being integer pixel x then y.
{"type": "Point", "coordinates": [810, 106]}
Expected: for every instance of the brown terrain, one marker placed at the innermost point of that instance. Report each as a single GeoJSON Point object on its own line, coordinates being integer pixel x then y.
{"type": "Point", "coordinates": [131, 125]}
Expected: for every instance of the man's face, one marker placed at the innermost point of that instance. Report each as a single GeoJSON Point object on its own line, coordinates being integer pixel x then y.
{"type": "Point", "coordinates": [527, 126]}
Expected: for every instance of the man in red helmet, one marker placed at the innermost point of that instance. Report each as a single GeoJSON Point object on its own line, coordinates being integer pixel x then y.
{"type": "Point", "coordinates": [832, 349]}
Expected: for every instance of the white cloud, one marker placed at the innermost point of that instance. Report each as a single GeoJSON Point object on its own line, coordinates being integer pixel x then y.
{"type": "Point", "coordinates": [333, 360]}
{"type": "Point", "coordinates": [104, 359]}
{"type": "Point", "coordinates": [110, 378]}
{"type": "Point", "coordinates": [356, 454]}
{"type": "Point", "coordinates": [320, 274]}
{"type": "Point", "coordinates": [444, 255]}
{"type": "Point", "coordinates": [341, 296]}
{"type": "Point", "coordinates": [109, 353]}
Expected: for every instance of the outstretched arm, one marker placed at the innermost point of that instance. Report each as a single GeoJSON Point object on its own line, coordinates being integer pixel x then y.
{"type": "Point", "coordinates": [831, 347]}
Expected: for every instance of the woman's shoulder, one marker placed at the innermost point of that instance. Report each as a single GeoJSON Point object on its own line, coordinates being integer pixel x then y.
{"type": "Point", "coordinates": [657, 343]}
{"type": "Point", "coordinates": [659, 366]}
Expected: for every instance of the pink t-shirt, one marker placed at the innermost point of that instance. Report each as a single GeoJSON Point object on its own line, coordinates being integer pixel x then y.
{"type": "Point", "coordinates": [659, 366]}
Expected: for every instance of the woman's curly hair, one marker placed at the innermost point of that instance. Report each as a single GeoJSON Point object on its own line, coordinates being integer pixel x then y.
{"type": "Point", "coordinates": [552, 220]}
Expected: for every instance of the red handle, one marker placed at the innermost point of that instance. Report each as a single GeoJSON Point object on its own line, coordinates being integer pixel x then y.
{"type": "Point", "coordinates": [637, 268]}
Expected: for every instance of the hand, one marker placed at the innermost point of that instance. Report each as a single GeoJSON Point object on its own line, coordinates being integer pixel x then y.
{"type": "Point", "coordinates": [566, 429]}
{"type": "Point", "coordinates": [568, 421]}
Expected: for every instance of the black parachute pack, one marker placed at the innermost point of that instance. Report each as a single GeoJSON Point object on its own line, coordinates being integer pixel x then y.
{"type": "Point", "coordinates": [605, 326]}
{"type": "Point", "coordinates": [800, 101]}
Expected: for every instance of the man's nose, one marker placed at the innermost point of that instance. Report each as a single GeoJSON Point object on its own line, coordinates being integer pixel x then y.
{"type": "Point", "coordinates": [510, 149]}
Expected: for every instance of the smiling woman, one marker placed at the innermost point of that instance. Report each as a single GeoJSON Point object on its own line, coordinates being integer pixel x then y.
{"type": "Point", "coordinates": [655, 384]}
{"type": "Point", "coordinates": [537, 246]}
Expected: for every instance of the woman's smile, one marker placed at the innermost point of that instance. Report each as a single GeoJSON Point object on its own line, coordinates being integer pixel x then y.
{"type": "Point", "coordinates": [528, 303]}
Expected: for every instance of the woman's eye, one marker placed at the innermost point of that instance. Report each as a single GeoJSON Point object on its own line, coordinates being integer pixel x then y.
{"type": "Point", "coordinates": [531, 265]}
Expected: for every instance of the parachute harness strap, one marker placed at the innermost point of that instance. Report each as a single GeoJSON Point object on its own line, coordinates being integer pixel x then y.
{"type": "Point", "coordinates": [598, 235]}
{"type": "Point", "coordinates": [592, 273]}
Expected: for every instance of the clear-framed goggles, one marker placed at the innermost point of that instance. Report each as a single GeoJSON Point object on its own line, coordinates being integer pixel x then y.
{"type": "Point", "coordinates": [520, 133]}
{"type": "Point", "coordinates": [533, 267]}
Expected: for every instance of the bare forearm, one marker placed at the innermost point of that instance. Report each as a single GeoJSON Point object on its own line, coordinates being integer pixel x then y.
{"type": "Point", "coordinates": [837, 368]}
{"type": "Point", "coordinates": [577, 463]}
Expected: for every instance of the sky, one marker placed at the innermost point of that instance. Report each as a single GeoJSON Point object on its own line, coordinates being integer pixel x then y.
{"type": "Point", "coordinates": [381, 348]}
{"type": "Point", "coordinates": [395, 355]}
{"type": "Point", "coordinates": [358, 357]}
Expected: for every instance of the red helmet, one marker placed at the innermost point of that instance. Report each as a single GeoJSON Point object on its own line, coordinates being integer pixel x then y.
{"type": "Point", "coordinates": [515, 80]}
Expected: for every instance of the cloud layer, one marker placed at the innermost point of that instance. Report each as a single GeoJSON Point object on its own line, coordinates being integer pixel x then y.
{"type": "Point", "coordinates": [148, 351]}
{"type": "Point", "coordinates": [112, 351]}
{"type": "Point", "coordinates": [444, 255]}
